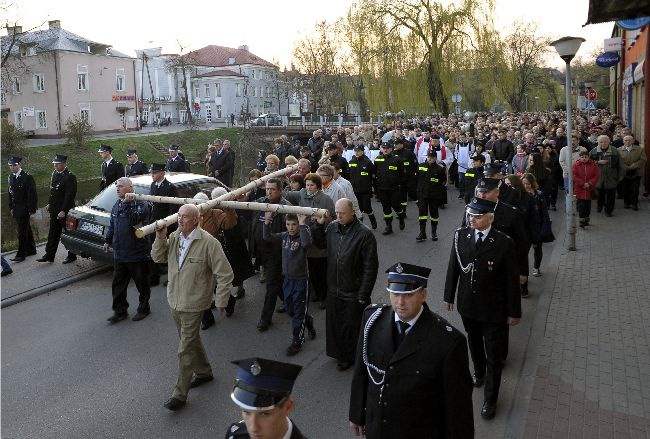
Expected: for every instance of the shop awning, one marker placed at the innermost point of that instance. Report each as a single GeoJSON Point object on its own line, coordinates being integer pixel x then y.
{"type": "Point", "coordinates": [638, 72]}
{"type": "Point", "coordinates": [601, 11]}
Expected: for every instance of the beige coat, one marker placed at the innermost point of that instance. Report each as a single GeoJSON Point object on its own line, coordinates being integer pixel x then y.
{"type": "Point", "coordinates": [191, 287]}
{"type": "Point", "coordinates": [634, 159]}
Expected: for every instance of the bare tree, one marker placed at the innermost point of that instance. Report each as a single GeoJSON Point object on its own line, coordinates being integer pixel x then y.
{"type": "Point", "coordinates": [182, 63]}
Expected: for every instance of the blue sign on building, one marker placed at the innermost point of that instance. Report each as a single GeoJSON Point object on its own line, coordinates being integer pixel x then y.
{"type": "Point", "coordinates": [608, 59]}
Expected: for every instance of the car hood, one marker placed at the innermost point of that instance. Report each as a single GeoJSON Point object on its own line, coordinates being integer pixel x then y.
{"type": "Point", "coordinates": [90, 213]}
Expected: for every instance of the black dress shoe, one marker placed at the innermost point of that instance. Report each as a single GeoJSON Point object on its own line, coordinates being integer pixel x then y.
{"type": "Point", "coordinates": [45, 259]}
{"type": "Point", "coordinates": [6, 273]}
{"type": "Point", "coordinates": [117, 317]}
{"type": "Point", "coordinates": [140, 315]}
{"type": "Point", "coordinates": [207, 320]}
{"type": "Point", "coordinates": [263, 326]}
{"type": "Point", "coordinates": [488, 410]}
{"type": "Point", "coordinates": [69, 260]}
{"type": "Point", "coordinates": [174, 404]}
{"type": "Point", "coordinates": [240, 293]}
{"type": "Point", "coordinates": [197, 381]}
{"type": "Point", "coordinates": [344, 365]}
{"type": "Point", "coordinates": [17, 259]}
{"type": "Point", "coordinates": [477, 381]}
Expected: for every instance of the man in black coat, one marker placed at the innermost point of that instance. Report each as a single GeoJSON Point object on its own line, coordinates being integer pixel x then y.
{"type": "Point", "coordinates": [222, 164]}
{"type": "Point", "coordinates": [431, 182]}
{"type": "Point", "coordinates": [483, 268]}
{"type": "Point", "coordinates": [362, 178]}
{"type": "Point", "coordinates": [503, 148]}
{"type": "Point", "coordinates": [411, 378]}
{"type": "Point", "coordinates": [162, 187]}
{"type": "Point", "coordinates": [135, 166]}
{"type": "Point", "coordinates": [473, 175]}
{"type": "Point", "coordinates": [111, 168]}
{"type": "Point", "coordinates": [63, 190]}
{"type": "Point", "coordinates": [315, 144]}
{"type": "Point", "coordinates": [23, 201]}
{"type": "Point", "coordinates": [263, 391]}
{"type": "Point", "coordinates": [334, 157]}
{"type": "Point", "coordinates": [352, 263]}
{"type": "Point", "coordinates": [176, 162]}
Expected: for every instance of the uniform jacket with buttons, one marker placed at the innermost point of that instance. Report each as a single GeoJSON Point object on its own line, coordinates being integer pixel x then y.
{"type": "Point", "coordinates": [63, 190]}
{"type": "Point", "coordinates": [431, 181]}
{"type": "Point", "coordinates": [137, 168]}
{"type": "Point", "coordinates": [427, 389]}
{"type": "Point", "coordinates": [190, 287]}
{"type": "Point", "coordinates": [389, 170]}
{"type": "Point", "coordinates": [23, 198]}
{"type": "Point", "coordinates": [178, 164]}
{"type": "Point", "coordinates": [362, 174]}
{"type": "Point", "coordinates": [489, 291]}
{"type": "Point", "coordinates": [111, 173]}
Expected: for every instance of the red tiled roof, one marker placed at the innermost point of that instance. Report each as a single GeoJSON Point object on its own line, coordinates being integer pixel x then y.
{"type": "Point", "coordinates": [219, 56]}
{"type": "Point", "coordinates": [220, 73]}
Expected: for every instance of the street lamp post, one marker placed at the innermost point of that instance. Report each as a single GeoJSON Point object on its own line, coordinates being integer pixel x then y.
{"type": "Point", "coordinates": [537, 103]}
{"type": "Point", "coordinates": [567, 48]}
{"type": "Point", "coordinates": [526, 96]}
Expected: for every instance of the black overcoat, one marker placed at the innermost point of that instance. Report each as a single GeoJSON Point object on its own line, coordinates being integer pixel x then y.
{"type": "Point", "coordinates": [23, 198]}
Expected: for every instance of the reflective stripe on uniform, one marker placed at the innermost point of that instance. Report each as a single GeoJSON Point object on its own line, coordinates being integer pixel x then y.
{"type": "Point", "coordinates": [433, 219]}
{"type": "Point", "coordinates": [379, 159]}
{"type": "Point", "coordinates": [352, 165]}
{"type": "Point", "coordinates": [422, 168]}
{"type": "Point", "coordinates": [425, 217]}
{"type": "Point", "coordinates": [388, 216]}
{"type": "Point", "coordinates": [407, 163]}
{"type": "Point", "coordinates": [393, 168]}
{"type": "Point", "coordinates": [364, 173]}
{"type": "Point", "coordinates": [433, 179]}
{"type": "Point", "coordinates": [467, 174]}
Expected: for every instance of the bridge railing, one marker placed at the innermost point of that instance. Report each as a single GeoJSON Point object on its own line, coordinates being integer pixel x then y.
{"type": "Point", "coordinates": [313, 122]}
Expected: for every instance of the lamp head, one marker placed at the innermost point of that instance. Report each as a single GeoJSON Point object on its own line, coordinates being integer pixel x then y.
{"type": "Point", "coordinates": [567, 47]}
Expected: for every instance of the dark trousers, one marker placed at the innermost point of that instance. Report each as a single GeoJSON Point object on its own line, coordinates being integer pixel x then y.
{"type": "Point", "coordinates": [488, 346]}
{"type": "Point", "coordinates": [122, 275]}
{"type": "Point", "coordinates": [342, 325]}
{"type": "Point", "coordinates": [606, 198]}
{"type": "Point", "coordinates": [296, 302]}
{"type": "Point", "coordinates": [318, 276]}
{"type": "Point", "coordinates": [537, 255]}
{"type": "Point", "coordinates": [26, 245]}
{"type": "Point", "coordinates": [630, 187]}
{"type": "Point", "coordinates": [53, 238]}
{"type": "Point", "coordinates": [428, 209]}
{"type": "Point", "coordinates": [461, 183]}
{"type": "Point", "coordinates": [273, 270]}
{"type": "Point", "coordinates": [390, 201]}
{"type": "Point", "coordinates": [364, 202]}
{"type": "Point", "coordinates": [584, 208]}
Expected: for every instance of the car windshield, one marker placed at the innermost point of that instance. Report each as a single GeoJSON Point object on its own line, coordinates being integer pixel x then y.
{"type": "Point", "coordinates": [105, 200]}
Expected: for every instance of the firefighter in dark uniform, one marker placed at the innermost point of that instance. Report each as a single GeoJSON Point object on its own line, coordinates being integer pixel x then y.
{"type": "Point", "coordinates": [496, 171]}
{"type": "Point", "coordinates": [362, 178]}
{"type": "Point", "coordinates": [473, 175]}
{"type": "Point", "coordinates": [389, 170]}
{"type": "Point", "coordinates": [162, 187]}
{"type": "Point", "coordinates": [23, 201]}
{"type": "Point", "coordinates": [63, 190]}
{"type": "Point", "coordinates": [263, 392]}
{"type": "Point", "coordinates": [411, 378]}
{"type": "Point", "coordinates": [408, 186]}
{"type": "Point", "coordinates": [431, 185]}
{"type": "Point", "coordinates": [135, 166]}
{"type": "Point", "coordinates": [176, 162]}
{"type": "Point", "coordinates": [483, 270]}
{"type": "Point", "coordinates": [111, 168]}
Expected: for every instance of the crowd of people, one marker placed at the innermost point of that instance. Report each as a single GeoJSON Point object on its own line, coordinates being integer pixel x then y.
{"type": "Point", "coordinates": [507, 168]}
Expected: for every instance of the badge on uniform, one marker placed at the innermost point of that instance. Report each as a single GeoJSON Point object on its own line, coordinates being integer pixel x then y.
{"type": "Point", "coordinates": [490, 265]}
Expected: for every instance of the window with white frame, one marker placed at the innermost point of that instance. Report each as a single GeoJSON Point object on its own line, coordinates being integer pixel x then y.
{"type": "Point", "coordinates": [82, 77]}
{"type": "Point", "coordinates": [255, 91]}
{"type": "Point", "coordinates": [253, 74]}
{"type": "Point", "coordinates": [41, 119]}
{"type": "Point", "coordinates": [217, 89]}
{"type": "Point", "coordinates": [16, 88]}
{"type": "Point", "coordinates": [197, 92]}
{"type": "Point", "coordinates": [207, 90]}
{"type": "Point", "coordinates": [18, 119]}
{"type": "Point", "coordinates": [261, 92]}
{"type": "Point", "coordinates": [39, 82]}
{"type": "Point", "coordinates": [28, 51]}
{"type": "Point", "coordinates": [217, 111]}
{"type": "Point", "coordinates": [208, 113]}
{"type": "Point", "coordinates": [120, 80]}
{"type": "Point", "coordinates": [238, 89]}
{"type": "Point", "coordinates": [268, 92]}
{"type": "Point", "coordinates": [84, 113]}
{"type": "Point", "coordinates": [145, 115]}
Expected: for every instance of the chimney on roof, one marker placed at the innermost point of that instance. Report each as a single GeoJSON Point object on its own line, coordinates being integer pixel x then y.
{"type": "Point", "coordinates": [14, 30]}
{"type": "Point", "coordinates": [54, 24]}
{"type": "Point", "coordinates": [243, 47]}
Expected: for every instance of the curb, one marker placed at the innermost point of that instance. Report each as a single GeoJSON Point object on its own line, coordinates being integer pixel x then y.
{"type": "Point", "coordinates": [35, 292]}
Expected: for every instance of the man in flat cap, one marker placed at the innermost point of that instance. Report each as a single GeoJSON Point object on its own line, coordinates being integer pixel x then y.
{"type": "Point", "coordinates": [63, 190]}
{"type": "Point", "coordinates": [483, 269]}
{"type": "Point", "coordinates": [111, 168]}
{"type": "Point", "coordinates": [411, 378]}
{"type": "Point", "coordinates": [176, 162]}
{"type": "Point", "coordinates": [135, 166]}
{"type": "Point", "coordinates": [23, 201]}
{"type": "Point", "coordinates": [263, 391]}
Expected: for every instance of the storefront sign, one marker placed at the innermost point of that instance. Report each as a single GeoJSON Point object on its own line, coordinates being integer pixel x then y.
{"type": "Point", "coordinates": [608, 59]}
{"type": "Point", "coordinates": [123, 98]}
{"type": "Point", "coordinates": [613, 44]}
{"type": "Point", "coordinates": [633, 23]}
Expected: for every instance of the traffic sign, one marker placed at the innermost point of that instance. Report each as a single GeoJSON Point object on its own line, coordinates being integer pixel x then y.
{"type": "Point", "coordinates": [456, 98]}
{"type": "Point", "coordinates": [591, 94]}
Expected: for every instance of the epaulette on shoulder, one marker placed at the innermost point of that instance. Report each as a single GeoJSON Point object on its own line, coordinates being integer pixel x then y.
{"type": "Point", "coordinates": [236, 429]}
{"type": "Point", "coordinates": [445, 326]}
{"type": "Point", "coordinates": [374, 306]}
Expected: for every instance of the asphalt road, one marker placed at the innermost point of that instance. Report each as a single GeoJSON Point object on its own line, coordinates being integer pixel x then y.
{"type": "Point", "coordinates": [66, 373]}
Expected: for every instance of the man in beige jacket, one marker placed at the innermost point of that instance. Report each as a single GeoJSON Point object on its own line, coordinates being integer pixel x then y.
{"type": "Point", "coordinates": [194, 259]}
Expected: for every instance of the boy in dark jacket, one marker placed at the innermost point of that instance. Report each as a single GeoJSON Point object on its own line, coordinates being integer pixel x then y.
{"type": "Point", "coordinates": [295, 242]}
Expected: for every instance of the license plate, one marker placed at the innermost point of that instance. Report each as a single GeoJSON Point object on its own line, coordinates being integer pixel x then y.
{"type": "Point", "coordinates": [95, 229]}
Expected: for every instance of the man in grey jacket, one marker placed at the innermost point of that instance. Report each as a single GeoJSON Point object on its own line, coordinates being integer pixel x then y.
{"type": "Point", "coordinates": [612, 170]}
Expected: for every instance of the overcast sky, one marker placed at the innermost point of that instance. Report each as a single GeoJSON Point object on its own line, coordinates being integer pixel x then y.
{"type": "Point", "coordinates": [269, 28]}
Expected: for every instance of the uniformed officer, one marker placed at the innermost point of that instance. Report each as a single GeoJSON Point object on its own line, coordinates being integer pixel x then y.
{"type": "Point", "coordinates": [431, 185]}
{"type": "Point", "coordinates": [263, 391]}
{"type": "Point", "coordinates": [389, 170]}
{"type": "Point", "coordinates": [473, 175]}
{"type": "Point", "coordinates": [411, 377]}
{"type": "Point", "coordinates": [362, 176]}
{"type": "Point", "coordinates": [408, 186]}
{"type": "Point", "coordinates": [23, 201]}
{"type": "Point", "coordinates": [162, 187]}
{"type": "Point", "coordinates": [135, 166]}
{"type": "Point", "coordinates": [63, 190]}
{"type": "Point", "coordinates": [176, 163]}
{"type": "Point", "coordinates": [495, 170]}
{"type": "Point", "coordinates": [483, 268]}
{"type": "Point", "coordinates": [111, 168]}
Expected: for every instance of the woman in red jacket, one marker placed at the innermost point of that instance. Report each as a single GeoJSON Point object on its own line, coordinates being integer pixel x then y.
{"type": "Point", "coordinates": [585, 177]}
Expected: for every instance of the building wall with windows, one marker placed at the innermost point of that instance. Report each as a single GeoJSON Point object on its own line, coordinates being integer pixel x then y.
{"type": "Point", "coordinates": [159, 88]}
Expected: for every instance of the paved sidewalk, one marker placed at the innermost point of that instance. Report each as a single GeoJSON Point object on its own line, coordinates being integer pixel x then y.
{"type": "Point", "coordinates": [30, 276]}
{"type": "Point", "coordinates": [589, 364]}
